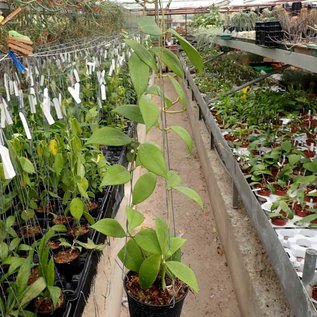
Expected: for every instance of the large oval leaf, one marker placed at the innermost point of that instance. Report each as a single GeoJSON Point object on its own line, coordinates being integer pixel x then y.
{"type": "Point", "coordinates": [162, 234]}
{"type": "Point", "coordinates": [131, 112]}
{"type": "Point", "coordinates": [152, 158]}
{"type": "Point", "coordinates": [27, 165]}
{"type": "Point", "coordinates": [147, 240]}
{"type": "Point", "coordinates": [139, 73]}
{"type": "Point", "coordinates": [109, 136]}
{"type": "Point", "coordinates": [179, 90]}
{"type": "Point", "coordinates": [184, 273]}
{"type": "Point", "coordinates": [77, 208]}
{"type": "Point", "coordinates": [149, 270]}
{"type": "Point", "coordinates": [143, 188]}
{"type": "Point", "coordinates": [184, 135]}
{"type": "Point", "coordinates": [143, 54]}
{"type": "Point", "coordinates": [131, 256]}
{"type": "Point", "coordinates": [116, 175]}
{"type": "Point", "coordinates": [135, 218]}
{"type": "Point", "coordinates": [147, 25]}
{"type": "Point", "coordinates": [150, 112]}
{"type": "Point", "coordinates": [32, 291]}
{"type": "Point", "coordinates": [190, 51]}
{"type": "Point", "coordinates": [170, 60]}
{"type": "Point", "coordinates": [190, 193]}
{"type": "Point", "coordinates": [109, 227]}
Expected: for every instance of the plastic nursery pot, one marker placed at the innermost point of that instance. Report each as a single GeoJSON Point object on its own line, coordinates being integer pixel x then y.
{"type": "Point", "coordinates": [62, 220]}
{"type": "Point", "coordinates": [300, 212]}
{"type": "Point", "coordinates": [30, 233]}
{"type": "Point", "coordinates": [44, 307]}
{"type": "Point", "coordinates": [314, 292]}
{"type": "Point", "coordinates": [81, 233]}
{"type": "Point", "coordinates": [309, 154]}
{"type": "Point", "coordinates": [279, 221]}
{"type": "Point", "coordinates": [93, 207]}
{"type": "Point", "coordinates": [140, 309]}
{"type": "Point", "coordinates": [67, 262]}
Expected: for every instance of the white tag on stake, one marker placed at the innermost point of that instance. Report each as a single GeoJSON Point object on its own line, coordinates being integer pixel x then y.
{"type": "Point", "coordinates": [57, 108]}
{"type": "Point", "coordinates": [25, 126]}
{"type": "Point", "coordinates": [103, 92]}
{"type": "Point", "coordinates": [8, 169]}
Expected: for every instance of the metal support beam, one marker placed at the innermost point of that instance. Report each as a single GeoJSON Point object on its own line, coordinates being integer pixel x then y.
{"type": "Point", "coordinates": [309, 266]}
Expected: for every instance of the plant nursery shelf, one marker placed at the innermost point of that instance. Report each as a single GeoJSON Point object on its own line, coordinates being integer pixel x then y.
{"type": "Point", "coordinates": [300, 60]}
{"type": "Point", "coordinates": [294, 290]}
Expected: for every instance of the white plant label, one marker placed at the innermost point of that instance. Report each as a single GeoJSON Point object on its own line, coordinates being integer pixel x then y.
{"type": "Point", "coordinates": [11, 87]}
{"type": "Point", "coordinates": [73, 93]}
{"type": "Point", "coordinates": [7, 113]}
{"type": "Point", "coordinates": [42, 80]}
{"type": "Point", "coordinates": [16, 89]}
{"type": "Point", "coordinates": [103, 92]}
{"type": "Point", "coordinates": [32, 105]}
{"type": "Point", "coordinates": [76, 76]}
{"type": "Point", "coordinates": [47, 113]}
{"type": "Point", "coordinates": [3, 118]}
{"type": "Point", "coordinates": [58, 108]}
{"type": "Point", "coordinates": [8, 169]}
{"type": "Point", "coordinates": [25, 126]}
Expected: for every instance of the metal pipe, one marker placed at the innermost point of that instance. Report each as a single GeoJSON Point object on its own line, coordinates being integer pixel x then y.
{"type": "Point", "coordinates": [309, 266]}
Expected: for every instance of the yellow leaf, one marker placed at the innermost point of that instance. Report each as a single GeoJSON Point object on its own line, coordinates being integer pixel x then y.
{"type": "Point", "coordinates": [53, 148]}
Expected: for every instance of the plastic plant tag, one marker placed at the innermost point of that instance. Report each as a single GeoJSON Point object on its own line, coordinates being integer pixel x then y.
{"type": "Point", "coordinates": [77, 89]}
{"type": "Point", "coordinates": [31, 103]}
{"type": "Point", "coordinates": [57, 108]}
{"type": "Point", "coordinates": [105, 55]}
{"type": "Point", "coordinates": [11, 87]}
{"type": "Point", "coordinates": [46, 111]}
{"type": "Point", "coordinates": [16, 89]}
{"type": "Point", "coordinates": [7, 113]}
{"type": "Point", "coordinates": [76, 76]}
{"type": "Point", "coordinates": [110, 71]}
{"type": "Point", "coordinates": [73, 93]}
{"type": "Point", "coordinates": [42, 80]}
{"type": "Point", "coordinates": [103, 92]}
{"type": "Point", "coordinates": [8, 169]}
{"type": "Point", "coordinates": [25, 126]}
{"type": "Point", "coordinates": [3, 118]}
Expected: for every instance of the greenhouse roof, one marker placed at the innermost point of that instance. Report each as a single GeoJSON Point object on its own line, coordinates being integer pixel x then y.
{"type": "Point", "coordinates": [175, 4]}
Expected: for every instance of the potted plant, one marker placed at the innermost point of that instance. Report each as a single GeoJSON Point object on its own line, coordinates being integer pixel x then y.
{"type": "Point", "coordinates": [151, 254]}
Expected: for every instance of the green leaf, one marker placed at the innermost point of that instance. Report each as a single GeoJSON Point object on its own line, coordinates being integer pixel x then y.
{"type": "Point", "coordinates": [147, 25]}
{"type": "Point", "coordinates": [179, 90]}
{"type": "Point", "coordinates": [58, 228]}
{"type": "Point", "coordinates": [109, 136]}
{"type": "Point", "coordinates": [170, 60]}
{"type": "Point", "coordinates": [147, 240]}
{"type": "Point", "coordinates": [156, 90]}
{"type": "Point", "coordinates": [58, 164]}
{"type": "Point", "coordinates": [286, 146]}
{"type": "Point", "coordinates": [150, 112]}
{"type": "Point", "coordinates": [116, 175]}
{"type": "Point", "coordinates": [139, 73]}
{"type": "Point", "coordinates": [23, 275]}
{"type": "Point", "coordinates": [175, 244]}
{"type": "Point", "coordinates": [90, 245]}
{"type": "Point", "coordinates": [173, 179]}
{"type": "Point", "coordinates": [152, 158]}
{"type": "Point", "coordinates": [184, 273]}
{"type": "Point", "coordinates": [135, 218]}
{"type": "Point", "coordinates": [4, 251]}
{"type": "Point", "coordinates": [311, 166]}
{"type": "Point", "coordinates": [89, 218]}
{"type": "Point", "coordinates": [14, 244]}
{"type": "Point", "coordinates": [143, 188]}
{"type": "Point", "coordinates": [162, 234]}
{"type": "Point", "coordinates": [27, 215]}
{"type": "Point", "coordinates": [131, 112]}
{"type": "Point", "coordinates": [55, 294]}
{"type": "Point", "coordinates": [144, 55]}
{"type": "Point", "coordinates": [190, 51]}
{"type": "Point", "coordinates": [109, 227]}
{"type": "Point", "coordinates": [14, 263]}
{"type": "Point", "coordinates": [77, 208]}
{"type": "Point", "coordinates": [184, 135]}
{"type": "Point", "coordinates": [50, 273]}
{"type": "Point", "coordinates": [149, 270]}
{"type": "Point", "coordinates": [27, 165]}
{"type": "Point", "coordinates": [131, 256]}
{"type": "Point", "coordinates": [294, 158]}
{"type": "Point", "coordinates": [190, 193]}
{"type": "Point", "coordinates": [32, 291]}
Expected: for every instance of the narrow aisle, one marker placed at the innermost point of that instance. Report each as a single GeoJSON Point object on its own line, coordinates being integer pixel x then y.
{"type": "Point", "coordinates": [203, 250]}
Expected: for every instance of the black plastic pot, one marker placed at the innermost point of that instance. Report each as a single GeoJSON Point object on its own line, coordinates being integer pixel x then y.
{"type": "Point", "coordinates": [139, 309]}
{"type": "Point", "coordinates": [68, 269]}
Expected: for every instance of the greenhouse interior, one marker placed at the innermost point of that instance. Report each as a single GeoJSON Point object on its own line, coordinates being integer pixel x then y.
{"type": "Point", "coordinates": [158, 158]}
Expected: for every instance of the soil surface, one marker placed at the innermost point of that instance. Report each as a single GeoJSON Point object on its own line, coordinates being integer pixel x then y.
{"type": "Point", "coordinates": [202, 251]}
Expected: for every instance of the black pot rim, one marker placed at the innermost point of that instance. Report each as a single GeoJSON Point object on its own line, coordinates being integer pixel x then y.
{"type": "Point", "coordinates": [151, 305]}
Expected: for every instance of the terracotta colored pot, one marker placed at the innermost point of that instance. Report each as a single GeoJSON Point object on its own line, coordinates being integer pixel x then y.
{"type": "Point", "coordinates": [309, 154]}
{"type": "Point", "coordinates": [264, 192]}
{"type": "Point", "coordinates": [279, 221]}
